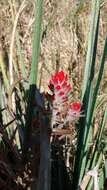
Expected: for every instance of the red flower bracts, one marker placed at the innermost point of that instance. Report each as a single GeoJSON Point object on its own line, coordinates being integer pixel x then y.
{"type": "Point", "coordinates": [62, 91]}
{"type": "Point", "coordinates": [73, 112]}
{"type": "Point", "coordinates": [75, 106]}
{"type": "Point", "coordinates": [60, 87]}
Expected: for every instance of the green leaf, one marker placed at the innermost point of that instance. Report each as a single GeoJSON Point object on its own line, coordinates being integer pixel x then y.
{"type": "Point", "coordinates": [36, 42]}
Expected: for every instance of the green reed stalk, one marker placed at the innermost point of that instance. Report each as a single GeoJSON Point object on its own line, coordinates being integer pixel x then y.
{"type": "Point", "coordinates": [33, 72]}
{"type": "Point", "coordinates": [36, 42]}
{"type": "Point", "coordinates": [89, 95]}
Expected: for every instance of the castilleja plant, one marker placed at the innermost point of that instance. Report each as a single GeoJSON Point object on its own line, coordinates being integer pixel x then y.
{"type": "Point", "coordinates": [63, 109]}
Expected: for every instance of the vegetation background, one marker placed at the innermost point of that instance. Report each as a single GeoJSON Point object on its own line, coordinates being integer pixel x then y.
{"type": "Point", "coordinates": [64, 35]}
{"type": "Point", "coordinates": [64, 41]}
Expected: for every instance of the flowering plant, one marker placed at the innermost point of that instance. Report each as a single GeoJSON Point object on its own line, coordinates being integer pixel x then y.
{"type": "Point", "coordinates": [63, 111]}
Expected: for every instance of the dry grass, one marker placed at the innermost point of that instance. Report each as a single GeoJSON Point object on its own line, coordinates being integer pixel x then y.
{"type": "Point", "coordinates": [64, 37]}
{"type": "Point", "coordinates": [63, 45]}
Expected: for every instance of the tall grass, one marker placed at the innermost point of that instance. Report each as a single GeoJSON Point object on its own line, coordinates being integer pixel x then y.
{"type": "Point", "coordinates": [34, 71]}
{"type": "Point", "coordinates": [19, 155]}
{"type": "Point", "coordinates": [20, 118]}
{"type": "Point", "coordinates": [89, 97]}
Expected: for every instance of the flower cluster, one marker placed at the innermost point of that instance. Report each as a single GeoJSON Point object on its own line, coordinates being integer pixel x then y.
{"type": "Point", "coordinates": [61, 99]}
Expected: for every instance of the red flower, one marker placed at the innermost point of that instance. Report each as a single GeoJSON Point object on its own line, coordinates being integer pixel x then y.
{"type": "Point", "coordinates": [76, 106]}
{"type": "Point", "coordinates": [59, 86]}
{"type": "Point", "coordinates": [59, 76]}
{"type": "Point", "coordinates": [74, 112]}
{"type": "Point", "coordinates": [61, 91]}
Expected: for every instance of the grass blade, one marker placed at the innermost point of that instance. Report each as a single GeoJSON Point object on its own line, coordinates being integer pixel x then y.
{"type": "Point", "coordinates": [87, 96]}
{"type": "Point", "coordinates": [36, 42]}
{"type": "Point", "coordinates": [33, 73]}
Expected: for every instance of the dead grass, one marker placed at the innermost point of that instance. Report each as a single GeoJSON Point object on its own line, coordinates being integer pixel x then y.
{"type": "Point", "coordinates": [64, 37]}
{"type": "Point", "coordinates": [63, 45]}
